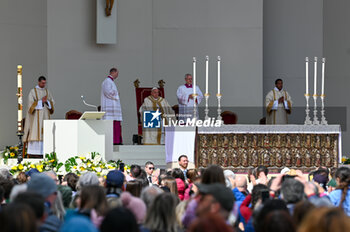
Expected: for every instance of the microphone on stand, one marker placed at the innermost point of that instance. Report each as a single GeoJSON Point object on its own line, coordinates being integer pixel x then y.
{"type": "Point", "coordinates": [82, 98]}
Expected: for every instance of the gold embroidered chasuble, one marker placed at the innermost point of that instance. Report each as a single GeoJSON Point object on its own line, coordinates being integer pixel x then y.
{"type": "Point", "coordinates": [155, 136]}
{"type": "Point", "coordinates": [37, 113]}
{"type": "Point", "coordinates": [277, 113]}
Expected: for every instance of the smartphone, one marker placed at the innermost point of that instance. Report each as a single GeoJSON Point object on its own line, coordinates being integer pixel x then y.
{"type": "Point", "coordinates": [265, 195]}
{"type": "Point", "coordinates": [121, 167]}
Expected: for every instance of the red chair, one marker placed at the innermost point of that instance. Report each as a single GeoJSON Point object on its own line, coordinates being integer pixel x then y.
{"type": "Point", "coordinates": [141, 94]}
{"type": "Point", "coordinates": [229, 117]}
{"type": "Point", "coordinates": [73, 115]}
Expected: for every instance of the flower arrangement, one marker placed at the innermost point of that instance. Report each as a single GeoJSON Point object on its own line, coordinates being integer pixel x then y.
{"type": "Point", "coordinates": [50, 162]}
{"type": "Point", "coordinates": [9, 153]}
{"type": "Point", "coordinates": [93, 162]}
{"type": "Point", "coordinates": [345, 160]}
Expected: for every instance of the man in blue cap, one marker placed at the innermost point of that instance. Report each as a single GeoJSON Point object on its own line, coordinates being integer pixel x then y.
{"type": "Point", "coordinates": [47, 188]}
{"type": "Point", "coordinates": [114, 184]}
{"type": "Point", "coordinates": [31, 172]}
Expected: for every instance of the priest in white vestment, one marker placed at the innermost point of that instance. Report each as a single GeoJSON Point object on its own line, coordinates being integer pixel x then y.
{"type": "Point", "coordinates": [110, 104]}
{"type": "Point", "coordinates": [278, 104]}
{"type": "Point", "coordinates": [41, 106]}
{"type": "Point", "coordinates": [155, 136]}
{"type": "Point", "coordinates": [185, 98]}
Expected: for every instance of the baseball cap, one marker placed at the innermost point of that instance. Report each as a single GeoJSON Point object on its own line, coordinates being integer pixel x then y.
{"type": "Point", "coordinates": [221, 194]}
{"type": "Point", "coordinates": [42, 184]}
{"type": "Point", "coordinates": [32, 171]}
{"type": "Point", "coordinates": [115, 178]}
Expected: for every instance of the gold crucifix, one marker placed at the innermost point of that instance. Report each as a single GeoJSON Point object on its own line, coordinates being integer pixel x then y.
{"type": "Point", "coordinates": [109, 6]}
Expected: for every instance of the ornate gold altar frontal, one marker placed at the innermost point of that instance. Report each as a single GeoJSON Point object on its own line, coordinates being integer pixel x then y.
{"type": "Point", "coordinates": [241, 151]}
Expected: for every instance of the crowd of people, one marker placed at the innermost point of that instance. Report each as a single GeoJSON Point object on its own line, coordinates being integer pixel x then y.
{"type": "Point", "coordinates": [148, 199]}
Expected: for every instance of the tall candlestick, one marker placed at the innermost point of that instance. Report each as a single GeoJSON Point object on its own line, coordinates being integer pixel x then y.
{"type": "Point", "coordinates": [323, 68]}
{"type": "Point", "coordinates": [307, 75]}
{"type": "Point", "coordinates": [315, 77]}
{"type": "Point", "coordinates": [219, 74]}
{"type": "Point", "coordinates": [194, 76]}
{"type": "Point", "coordinates": [307, 95]}
{"type": "Point", "coordinates": [19, 96]}
{"type": "Point", "coordinates": [207, 74]}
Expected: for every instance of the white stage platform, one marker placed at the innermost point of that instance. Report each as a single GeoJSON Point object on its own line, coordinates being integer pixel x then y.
{"type": "Point", "coordinates": [139, 154]}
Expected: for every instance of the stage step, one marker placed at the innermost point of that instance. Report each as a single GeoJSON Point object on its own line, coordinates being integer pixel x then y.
{"type": "Point", "coordinates": [140, 154]}
{"type": "Point", "coordinates": [139, 148]}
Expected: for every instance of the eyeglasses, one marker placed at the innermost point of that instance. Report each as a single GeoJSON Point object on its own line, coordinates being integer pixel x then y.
{"type": "Point", "coordinates": [151, 168]}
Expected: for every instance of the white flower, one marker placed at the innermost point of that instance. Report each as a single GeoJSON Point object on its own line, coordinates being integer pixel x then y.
{"type": "Point", "coordinates": [96, 162]}
{"type": "Point", "coordinates": [79, 161]}
{"type": "Point", "coordinates": [55, 169]}
{"type": "Point", "coordinates": [98, 169]}
{"type": "Point", "coordinates": [98, 158]}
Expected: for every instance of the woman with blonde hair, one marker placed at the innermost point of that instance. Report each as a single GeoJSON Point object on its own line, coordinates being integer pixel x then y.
{"type": "Point", "coordinates": [170, 182]}
{"type": "Point", "coordinates": [161, 215]}
{"type": "Point", "coordinates": [93, 203]}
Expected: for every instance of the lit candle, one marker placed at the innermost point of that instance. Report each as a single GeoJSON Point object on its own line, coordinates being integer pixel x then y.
{"type": "Point", "coordinates": [315, 77]}
{"type": "Point", "coordinates": [323, 67]}
{"type": "Point", "coordinates": [307, 74]}
{"type": "Point", "coordinates": [206, 74]}
{"type": "Point", "coordinates": [219, 74]}
{"type": "Point", "coordinates": [194, 76]}
{"type": "Point", "coordinates": [19, 96]}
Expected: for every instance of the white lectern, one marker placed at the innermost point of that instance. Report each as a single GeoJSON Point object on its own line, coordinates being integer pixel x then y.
{"type": "Point", "coordinates": [78, 137]}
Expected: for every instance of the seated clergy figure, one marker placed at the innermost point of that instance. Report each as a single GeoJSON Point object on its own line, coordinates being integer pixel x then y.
{"type": "Point", "coordinates": [154, 102]}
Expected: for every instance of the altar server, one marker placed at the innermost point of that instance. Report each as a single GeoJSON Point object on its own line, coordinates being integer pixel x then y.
{"type": "Point", "coordinates": [185, 98]}
{"type": "Point", "coordinates": [278, 104]}
{"type": "Point", "coordinates": [110, 103]}
{"type": "Point", "coordinates": [155, 136]}
{"type": "Point", "coordinates": [41, 106]}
